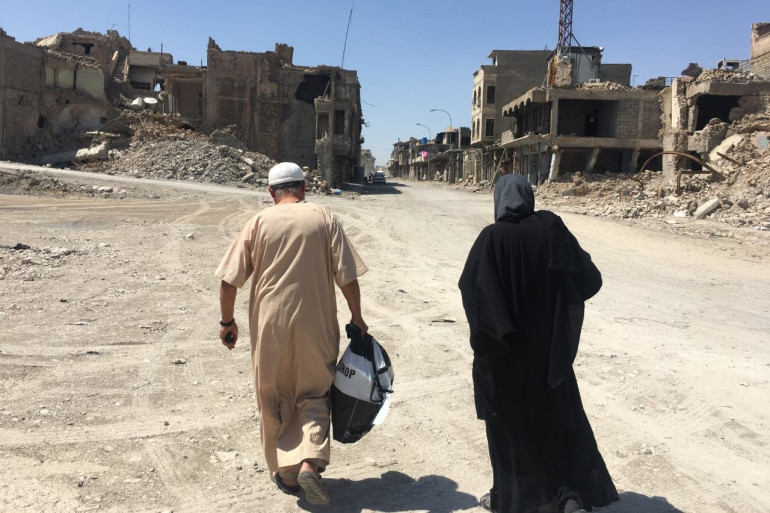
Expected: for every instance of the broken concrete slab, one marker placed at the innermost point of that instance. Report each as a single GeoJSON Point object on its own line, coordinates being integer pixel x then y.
{"type": "Point", "coordinates": [706, 208]}
{"type": "Point", "coordinates": [99, 152]}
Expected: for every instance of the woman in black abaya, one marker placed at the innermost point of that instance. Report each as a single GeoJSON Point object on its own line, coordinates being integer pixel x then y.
{"type": "Point", "coordinates": [523, 288]}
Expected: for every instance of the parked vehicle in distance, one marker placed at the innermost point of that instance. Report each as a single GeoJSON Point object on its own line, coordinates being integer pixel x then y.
{"type": "Point", "coordinates": [378, 178]}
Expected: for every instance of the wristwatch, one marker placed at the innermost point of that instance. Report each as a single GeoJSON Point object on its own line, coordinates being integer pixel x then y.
{"type": "Point", "coordinates": [226, 324]}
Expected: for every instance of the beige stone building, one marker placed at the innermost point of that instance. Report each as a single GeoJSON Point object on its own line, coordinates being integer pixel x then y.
{"type": "Point", "coordinates": [71, 82]}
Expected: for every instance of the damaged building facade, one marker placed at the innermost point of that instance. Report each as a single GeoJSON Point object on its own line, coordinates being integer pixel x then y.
{"type": "Point", "coordinates": [79, 81]}
{"type": "Point", "coordinates": [49, 88]}
{"type": "Point", "coordinates": [440, 158]}
{"type": "Point", "coordinates": [698, 113]}
{"type": "Point", "coordinates": [558, 130]}
{"type": "Point", "coordinates": [564, 117]}
{"type": "Point", "coordinates": [542, 114]}
{"type": "Point", "coordinates": [311, 116]}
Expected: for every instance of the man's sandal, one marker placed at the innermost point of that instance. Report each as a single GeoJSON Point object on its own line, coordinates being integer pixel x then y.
{"type": "Point", "coordinates": [315, 491]}
{"type": "Point", "coordinates": [290, 489]}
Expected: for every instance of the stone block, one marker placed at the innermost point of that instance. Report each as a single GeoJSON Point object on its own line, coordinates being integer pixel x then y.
{"type": "Point", "coordinates": [706, 208]}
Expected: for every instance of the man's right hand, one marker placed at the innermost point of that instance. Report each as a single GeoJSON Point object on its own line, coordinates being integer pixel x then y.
{"type": "Point", "coordinates": [224, 331]}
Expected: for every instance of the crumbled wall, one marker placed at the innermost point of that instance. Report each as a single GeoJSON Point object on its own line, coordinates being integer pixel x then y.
{"type": "Point", "coordinates": [100, 47]}
{"type": "Point", "coordinates": [21, 84]}
{"type": "Point", "coordinates": [256, 93]}
{"type": "Point", "coordinates": [760, 50]}
{"type": "Point", "coordinates": [272, 102]}
{"type": "Point", "coordinates": [66, 72]}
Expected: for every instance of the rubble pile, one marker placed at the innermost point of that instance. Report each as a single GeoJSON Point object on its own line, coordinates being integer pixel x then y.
{"type": "Point", "coordinates": [739, 195]}
{"type": "Point", "coordinates": [726, 76]}
{"type": "Point", "coordinates": [22, 262]}
{"type": "Point", "coordinates": [602, 86]}
{"type": "Point", "coordinates": [166, 152]}
{"type": "Point", "coordinates": [30, 182]}
{"type": "Point", "coordinates": [315, 183]}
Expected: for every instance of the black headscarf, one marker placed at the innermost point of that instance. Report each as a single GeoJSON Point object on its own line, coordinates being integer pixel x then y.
{"type": "Point", "coordinates": [514, 199]}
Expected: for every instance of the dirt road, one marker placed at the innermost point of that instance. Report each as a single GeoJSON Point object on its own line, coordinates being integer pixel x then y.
{"type": "Point", "coordinates": [115, 394]}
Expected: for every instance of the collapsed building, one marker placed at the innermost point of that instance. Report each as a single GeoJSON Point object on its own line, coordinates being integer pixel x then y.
{"type": "Point", "coordinates": [543, 114]}
{"type": "Point", "coordinates": [70, 83]}
{"type": "Point", "coordinates": [311, 116]}
{"type": "Point", "coordinates": [565, 117]}
{"type": "Point", "coordinates": [590, 128]}
{"type": "Point", "coordinates": [50, 88]}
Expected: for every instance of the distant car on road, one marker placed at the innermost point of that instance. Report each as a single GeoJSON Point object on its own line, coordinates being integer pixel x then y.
{"type": "Point", "coordinates": [378, 178]}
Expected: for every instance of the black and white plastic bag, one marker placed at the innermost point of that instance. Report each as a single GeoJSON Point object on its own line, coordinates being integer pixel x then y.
{"type": "Point", "coordinates": [362, 386]}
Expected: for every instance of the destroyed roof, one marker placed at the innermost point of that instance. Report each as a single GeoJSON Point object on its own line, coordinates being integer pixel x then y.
{"type": "Point", "coordinates": [50, 41]}
{"type": "Point", "coordinates": [603, 86]}
{"type": "Point", "coordinates": [82, 60]}
{"type": "Point", "coordinates": [55, 39]}
{"type": "Point", "coordinates": [731, 77]}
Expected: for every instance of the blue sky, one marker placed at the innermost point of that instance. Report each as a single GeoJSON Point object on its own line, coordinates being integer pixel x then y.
{"type": "Point", "coordinates": [411, 56]}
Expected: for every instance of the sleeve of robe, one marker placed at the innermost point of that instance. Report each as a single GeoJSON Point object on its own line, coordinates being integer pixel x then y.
{"type": "Point", "coordinates": [574, 279]}
{"type": "Point", "coordinates": [484, 299]}
{"type": "Point", "coordinates": [346, 263]}
{"type": "Point", "coordinates": [237, 265]}
{"type": "Point", "coordinates": [490, 325]}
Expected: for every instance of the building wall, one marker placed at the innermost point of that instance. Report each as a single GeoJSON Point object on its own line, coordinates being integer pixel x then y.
{"type": "Point", "coordinates": [515, 72]}
{"type": "Point", "coordinates": [760, 50]}
{"type": "Point", "coordinates": [97, 46]}
{"type": "Point", "coordinates": [254, 92]}
{"type": "Point", "coordinates": [21, 85]}
{"type": "Point", "coordinates": [65, 73]}
{"type": "Point", "coordinates": [272, 104]}
{"type": "Point", "coordinates": [627, 119]}
{"type": "Point", "coordinates": [618, 73]}
{"type": "Point", "coordinates": [188, 98]}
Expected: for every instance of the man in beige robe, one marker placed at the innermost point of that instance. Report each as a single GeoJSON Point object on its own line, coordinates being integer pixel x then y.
{"type": "Point", "coordinates": [294, 252]}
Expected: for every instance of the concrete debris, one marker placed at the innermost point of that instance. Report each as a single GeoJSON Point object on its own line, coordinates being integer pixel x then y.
{"type": "Point", "coordinates": [29, 264]}
{"type": "Point", "coordinates": [603, 86]}
{"type": "Point", "coordinates": [160, 151]}
{"type": "Point", "coordinates": [729, 77]}
{"type": "Point", "coordinates": [98, 152]}
{"type": "Point", "coordinates": [742, 198]}
{"type": "Point", "coordinates": [707, 208]}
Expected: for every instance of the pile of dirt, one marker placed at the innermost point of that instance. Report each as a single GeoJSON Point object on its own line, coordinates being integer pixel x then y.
{"type": "Point", "coordinates": [315, 182]}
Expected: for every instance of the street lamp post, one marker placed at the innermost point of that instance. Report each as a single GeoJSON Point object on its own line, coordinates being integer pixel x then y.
{"type": "Point", "coordinates": [450, 122]}
{"type": "Point", "coordinates": [459, 135]}
{"type": "Point", "coordinates": [430, 134]}
{"type": "Point", "coordinates": [427, 165]}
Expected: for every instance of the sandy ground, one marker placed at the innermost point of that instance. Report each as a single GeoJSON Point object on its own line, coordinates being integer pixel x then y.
{"type": "Point", "coordinates": [115, 394]}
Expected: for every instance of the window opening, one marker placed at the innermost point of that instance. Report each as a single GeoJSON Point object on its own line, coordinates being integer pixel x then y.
{"type": "Point", "coordinates": [489, 128]}
{"type": "Point", "coordinates": [339, 121]}
{"type": "Point", "coordinates": [490, 94]}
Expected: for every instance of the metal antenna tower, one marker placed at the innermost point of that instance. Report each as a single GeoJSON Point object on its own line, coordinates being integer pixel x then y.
{"type": "Point", "coordinates": [565, 26]}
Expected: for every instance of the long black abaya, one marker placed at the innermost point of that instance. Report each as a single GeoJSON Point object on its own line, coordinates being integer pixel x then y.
{"type": "Point", "coordinates": [523, 287]}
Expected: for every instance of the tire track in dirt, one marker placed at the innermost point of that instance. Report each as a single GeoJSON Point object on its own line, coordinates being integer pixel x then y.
{"type": "Point", "coordinates": [116, 431]}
